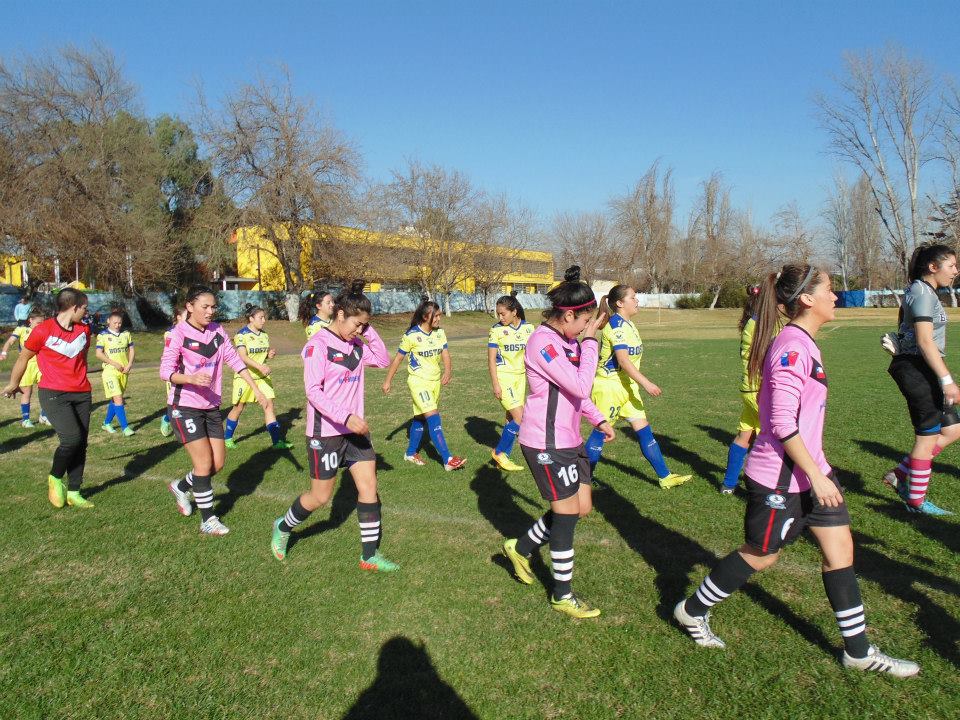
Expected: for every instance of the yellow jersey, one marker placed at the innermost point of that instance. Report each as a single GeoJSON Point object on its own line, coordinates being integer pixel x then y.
{"type": "Point", "coordinates": [256, 344]}
{"type": "Point", "coordinates": [510, 343]}
{"type": "Point", "coordinates": [317, 323]}
{"type": "Point", "coordinates": [423, 352]}
{"type": "Point", "coordinates": [115, 346]}
{"type": "Point", "coordinates": [618, 334]}
{"type": "Point", "coordinates": [21, 334]}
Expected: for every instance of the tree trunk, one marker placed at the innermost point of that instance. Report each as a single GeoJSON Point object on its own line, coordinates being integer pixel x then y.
{"type": "Point", "coordinates": [292, 303]}
{"type": "Point", "coordinates": [446, 302]}
{"type": "Point", "coordinates": [716, 296]}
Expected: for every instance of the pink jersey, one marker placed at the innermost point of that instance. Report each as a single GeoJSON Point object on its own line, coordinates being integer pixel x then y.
{"type": "Point", "coordinates": [793, 400]}
{"type": "Point", "coordinates": [560, 376]}
{"type": "Point", "coordinates": [192, 351]}
{"type": "Point", "coordinates": [333, 378]}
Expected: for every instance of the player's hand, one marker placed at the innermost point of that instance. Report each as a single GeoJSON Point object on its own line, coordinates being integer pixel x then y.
{"type": "Point", "coordinates": [386, 388]}
{"type": "Point", "coordinates": [262, 400]}
{"type": "Point", "coordinates": [265, 370]}
{"type": "Point", "coordinates": [202, 379]}
{"type": "Point", "coordinates": [826, 491]}
{"type": "Point", "coordinates": [271, 354]}
{"type": "Point", "coordinates": [497, 391]}
{"type": "Point", "coordinates": [445, 380]}
{"type": "Point", "coordinates": [595, 325]}
{"type": "Point", "coordinates": [357, 425]}
{"type": "Point", "coordinates": [3, 354]}
{"type": "Point", "coordinates": [127, 368]}
{"type": "Point", "coordinates": [11, 390]}
{"type": "Point", "coordinates": [951, 395]}
{"type": "Point", "coordinates": [608, 432]}
{"type": "Point", "coordinates": [652, 390]}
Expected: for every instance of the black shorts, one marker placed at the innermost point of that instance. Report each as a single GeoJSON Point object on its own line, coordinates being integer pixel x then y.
{"type": "Point", "coordinates": [921, 388]}
{"type": "Point", "coordinates": [326, 455]}
{"type": "Point", "coordinates": [193, 424]}
{"type": "Point", "coordinates": [775, 518]}
{"type": "Point", "coordinates": [558, 473]}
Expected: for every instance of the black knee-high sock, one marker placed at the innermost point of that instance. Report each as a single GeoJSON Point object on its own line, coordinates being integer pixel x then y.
{"type": "Point", "coordinates": [186, 484]}
{"type": "Point", "coordinates": [843, 591]}
{"type": "Point", "coordinates": [380, 529]}
{"type": "Point", "coordinates": [727, 576]}
{"type": "Point", "coordinates": [537, 536]}
{"type": "Point", "coordinates": [561, 553]}
{"type": "Point", "coordinates": [203, 495]}
{"type": "Point", "coordinates": [368, 515]}
{"type": "Point", "coordinates": [295, 515]}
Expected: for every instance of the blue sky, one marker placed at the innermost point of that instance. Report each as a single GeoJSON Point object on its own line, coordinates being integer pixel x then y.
{"type": "Point", "coordinates": [558, 104]}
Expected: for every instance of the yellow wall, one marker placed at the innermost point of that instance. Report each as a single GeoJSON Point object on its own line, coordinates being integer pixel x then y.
{"type": "Point", "coordinates": [12, 270]}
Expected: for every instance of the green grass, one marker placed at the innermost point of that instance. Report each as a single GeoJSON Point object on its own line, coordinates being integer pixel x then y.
{"type": "Point", "coordinates": [125, 612]}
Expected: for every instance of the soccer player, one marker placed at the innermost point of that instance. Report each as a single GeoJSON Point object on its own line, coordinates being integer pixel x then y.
{"type": "Point", "coordinates": [60, 345]}
{"type": "Point", "coordinates": [790, 485]}
{"type": "Point", "coordinates": [560, 372]}
{"type": "Point", "coordinates": [193, 364]}
{"type": "Point", "coordinates": [31, 375]}
{"type": "Point", "coordinates": [253, 344]}
{"type": "Point", "coordinates": [334, 360]}
{"type": "Point", "coordinates": [424, 346]}
{"type": "Point", "coordinates": [505, 348]}
{"type": "Point", "coordinates": [179, 313]}
{"type": "Point", "coordinates": [115, 350]}
{"type": "Point", "coordinates": [921, 373]}
{"type": "Point", "coordinates": [316, 311]}
{"type": "Point", "coordinates": [616, 390]}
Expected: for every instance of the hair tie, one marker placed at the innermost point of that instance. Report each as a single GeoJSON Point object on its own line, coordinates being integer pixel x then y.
{"type": "Point", "coordinates": [801, 286]}
{"type": "Point", "coordinates": [576, 307]}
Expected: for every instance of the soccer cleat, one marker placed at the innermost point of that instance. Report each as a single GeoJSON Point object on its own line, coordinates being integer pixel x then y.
{"type": "Point", "coordinates": [876, 661]}
{"type": "Point", "coordinates": [697, 627]}
{"type": "Point", "coordinates": [166, 429]}
{"type": "Point", "coordinates": [108, 428]}
{"type": "Point", "coordinates": [56, 493]}
{"type": "Point", "coordinates": [75, 499]}
{"type": "Point", "coordinates": [128, 431]}
{"type": "Point", "coordinates": [44, 420]}
{"type": "Point", "coordinates": [574, 607]}
{"type": "Point", "coordinates": [281, 445]}
{"type": "Point", "coordinates": [213, 526]}
{"type": "Point", "coordinates": [672, 480]}
{"type": "Point", "coordinates": [724, 490]}
{"type": "Point", "coordinates": [504, 461]}
{"type": "Point", "coordinates": [521, 565]}
{"type": "Point", "coordinates": [279, 542]}
{"type": "Point", "coordinates": [184, 506]}
{"type": "Point", "coordinates": [28, 423]}
{"type": "Point", "coordinates": [378, 563]}
{"type": "Point", "coordinates": [891, 479]}
{"type": "Point", "coordinates": [230, 443]}
{"type": "Point", "coordinates": [928, 508]}
{"type": "Point", "coordinates": [454, 463]}
{"type": "Point", "coordinates": [415, 459]}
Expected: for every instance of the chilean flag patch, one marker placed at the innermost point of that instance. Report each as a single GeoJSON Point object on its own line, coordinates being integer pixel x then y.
{"type": "Point", "coordinates": [308, 351]}
{"type": "Point", "coordinates": [549, 353]}
{"type": "Point", "coordinates": [193, 345]}
{"type": "Point", "coordinates": [337, 357]}
{"type": "Point", "coordinates": [789, 359]}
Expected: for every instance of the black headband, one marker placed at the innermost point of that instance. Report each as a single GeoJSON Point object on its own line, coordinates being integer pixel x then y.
{"type": "Point", "coordinates": [801, 286]}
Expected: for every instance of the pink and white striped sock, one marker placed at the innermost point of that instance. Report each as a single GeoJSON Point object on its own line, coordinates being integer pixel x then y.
{"type": "Point", "coordinates": [919, 480]}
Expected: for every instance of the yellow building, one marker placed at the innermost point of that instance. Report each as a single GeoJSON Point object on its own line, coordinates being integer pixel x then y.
{"type": "Point", "coordinates": [12, 270]}
{"type": "Point", "coordinates": [387, 258]}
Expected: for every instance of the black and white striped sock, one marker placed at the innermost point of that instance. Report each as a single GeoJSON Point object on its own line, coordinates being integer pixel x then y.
{"type": "Point", "coordinates": [186, 483]}
{"type": "Point", "coordinates": [561, 553]}
{"type": "Point", "coordinates": [537, 536]}
{"type": "Point", "coordinates": [368, 516]}
{"type": "Point", "coordinates": [203, 495]}
{"type": "Point", "coordinates": [843, 591]}
{"type": "Point", "coordinates": [295, 515]}
{"type": "Point", "coordinates": [727, 576]}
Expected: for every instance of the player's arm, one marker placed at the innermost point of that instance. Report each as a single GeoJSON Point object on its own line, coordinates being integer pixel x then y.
{"type": "Point", "coordinates": [623, 358]}
{"type": "Point", "coordinates": [131, 354]}
{"type": "Point", "coordinates": [250, 362]}
{"type": "Point", "coordinates": [392, 370]}
{"type": "Point", "coordinates": [447, 366]}
{"type": "Point", "coordinates": [492, 367]}
{"type": "Point", "coordinates": [19, 368]}
{"type": "Point", "coordinates": [6, 346]}
{"type": "Point", "coordinates": [923, 329]}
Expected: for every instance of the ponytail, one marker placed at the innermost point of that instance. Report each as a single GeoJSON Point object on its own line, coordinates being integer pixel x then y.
{"type": "Point", "coordinates": [352, 301]}
{"type": "Point", "coordinates": [571, 294]}
{"type": "Point", "coordinates": [308, 306]}
{"type": "Point", "coordinates": [927, 254]}
{"type": "Point", "coordinates": [749, 307]}
{"type": "Point", "coordinates": [608, 303]}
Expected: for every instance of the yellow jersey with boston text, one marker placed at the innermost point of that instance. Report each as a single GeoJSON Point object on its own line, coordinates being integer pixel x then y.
{"type": "Point", "coordinates": [256, 344]}
{"type": "Point", "coordinates": [115, 346]}
{"type": "Point", "coordinates": [423, 352]}
{"type": "Point", "coordinates": [510, 342]}
{"type": "Point", "coordinates": [618, 334]}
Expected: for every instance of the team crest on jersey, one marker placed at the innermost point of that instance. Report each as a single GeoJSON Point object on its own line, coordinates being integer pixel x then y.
{"type": "Point", "coordinates": [789, 359]}
{"type": "Point", "coordinates": [549, 353]}
{"type": "Point", "coordinates": [506, 332]}
{"type": "Point", "coordinates": [776, 501]}
{"type": "Point", "coordinates": [544, 459]}
{"type": "Point", "coordinates": [314, 444]}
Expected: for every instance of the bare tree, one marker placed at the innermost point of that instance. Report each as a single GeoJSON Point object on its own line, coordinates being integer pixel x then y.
{"type": "Point", "coordinates": [585, 239]}
{"type": "Point", "coordinates": [794, 239]}
{"type": "Point", "coordinates": [710, 242]}
{"type": "Point", "coordinates": [836, 214]}
{"type": "Point", "coordinates": [502, 232]}
{"type": "Point", "coordinates": [882, 121]}
{"type": "Point", "coordinates": [643, 220]}
{"type": "Point", "coordinates": [288, 175]}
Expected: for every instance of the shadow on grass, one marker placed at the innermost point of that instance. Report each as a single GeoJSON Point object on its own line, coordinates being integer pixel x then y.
{"type": "Point", "coordinates": [246, 477]}
{"type": "Point", "coordinates": [701, 467]}
{"type": "Point", "coordinates": [285, 419]}
{"type": "Point", "coordinates": [484, 432]}
{"type": "Point", "coordinates": [935, 528]}
{"type": "Point", "coordinates": [146, 420]}
{"type": "Point", "coordinates": [724, 437]}
{"type": "Point", "coordinates": [408, 686]}
{"type": "Point", "coordinates": [673, 557]}
{"type": "Point", "coordinates": [342, 505]}
{"type": "Point", "coordinates": [894, 455]}
{"type": "Point", "coordinates": [140, 464]}
{"type": "Point", "coordinates": [426, 446]}
{"type": "Point", "coordinates": [14, 444]}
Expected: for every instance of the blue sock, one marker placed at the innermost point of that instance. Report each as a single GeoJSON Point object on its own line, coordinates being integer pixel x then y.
{"type": "Point", "coordinates": [594, 447]}
{"type": "Point", "coordinates": [651, 451]}
{"type": "Point", "coordinates": [436, 434]}
{"type": "Point", "coordinates": [274, 430]}
{"type": "Point", "coordinates": [166, 416]}
{"type": "Point", "coordinates": [416, 436]}
{"type": "Point", "coordinates": [229, 427]}
{"type": "Point", "coordinates": [25, 411]}
{"type": "Point", "coordinates": [120, 411]}
{"type": "Point", "coordinates": [507, 437]}
{"type": "Point", "coordinates": [736, 456]}
{"type": "Point", "coordinates": [111, 411]}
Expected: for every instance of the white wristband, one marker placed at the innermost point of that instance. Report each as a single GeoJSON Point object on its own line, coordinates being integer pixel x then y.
{"type": "Point", "coordinates": [946, 380]}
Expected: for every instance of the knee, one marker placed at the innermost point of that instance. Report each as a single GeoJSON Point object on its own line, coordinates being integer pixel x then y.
{"type": "Point", "coordinates": [586, 506]}
{"type": "Point", "coordinates": [321, 496]}
{"type": "Point", "coordinates": [758, 561]}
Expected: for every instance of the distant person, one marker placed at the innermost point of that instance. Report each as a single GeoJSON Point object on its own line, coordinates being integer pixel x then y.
{"type": "Point", "coordinates": [116, 351]}
{"type": "Point", "coordinates": [21, 311]}
{"type": "Point", "coordinates": [506, 345]}
{"type": "Point", "coordinates": [316, 312]}
{"type": "Point", "coordinates": [32, 374]}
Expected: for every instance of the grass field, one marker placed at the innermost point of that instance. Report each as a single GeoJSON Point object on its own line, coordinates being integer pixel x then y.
{"type": "Point", "coordinates": [126, 612]}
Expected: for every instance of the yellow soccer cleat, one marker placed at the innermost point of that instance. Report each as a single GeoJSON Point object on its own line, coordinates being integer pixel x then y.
{"type": "Point", "coordinates": [521, 565]}
{"type": "Point", "coordinates": [504, 461]}
{"type": "Point", "coordinates": [672, 480]}
{"type": "Point", "coordinates": [56, 493]}
{"type": "Point", "coordinates": [574, 607]}
{"type": "Point", "coordinates": [75, 499]}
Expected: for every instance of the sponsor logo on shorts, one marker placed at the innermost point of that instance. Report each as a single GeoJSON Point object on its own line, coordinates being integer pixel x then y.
{"type": "Point", "coordinates": [544, 459]}
{"type": "Point", "coordinates": [775, 501]}
{"type": "Point", "coordinates": [314, 444]}
{"type": "Point", "coordinates": [176, 414]}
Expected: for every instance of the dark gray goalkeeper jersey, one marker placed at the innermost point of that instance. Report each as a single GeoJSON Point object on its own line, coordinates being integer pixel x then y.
{"type": "Point", "coordinates": [921, 304]}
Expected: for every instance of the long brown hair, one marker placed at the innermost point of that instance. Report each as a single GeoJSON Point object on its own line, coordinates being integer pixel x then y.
{"type": "Point", "coordinates": [749, 307]}
{"type": "Point", "coordinates": [608, 303]}
{"type": "Point", "coordinates": [779, 294]}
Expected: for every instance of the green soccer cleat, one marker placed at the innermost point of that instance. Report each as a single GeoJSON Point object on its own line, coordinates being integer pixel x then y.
{"type": "Point", "coordinates": [230, 443]}
{"type": "Point", "coordinates": [282, 445]}
{"type": "Point", "coordinates": [573, 606]}
{"type": "Point", "coordinates": [75, 499]}
{"type": "Point", "coordinates": [28, 423]}
{"type": "Point", "coordinates": [521, 565]}
{"type": "Point", "coordinates": [378, 563]}
{"type": "Point", "coordinates": [56, 493]}
{"type": "Point", "coordinates": [166, 429]}
{"type": "Point", "coordinates": [279, 542]}
{"type": "Point", "coordinates": [672, 480]}
{"type": "Point", "coordinates": [108, 428]}
{"type": "Point", "coordinates": [128, 431]}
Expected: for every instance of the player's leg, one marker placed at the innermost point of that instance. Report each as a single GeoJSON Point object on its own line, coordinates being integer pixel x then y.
{"type": "Point", "coordinates": [270, 418]}
{"type": "Point", "coordinates": [120, 412]}
{"type": "Point", "coordinates": [79, 409]}
{"type": "Point", "coordinates": [242, 394]}
{"type": "Point", "coordinates": [26, 394]}
{"type": "Point", "coordinates": [651, 448]}
{"type": "Point", "coordinates": [369, 511]}
{"type": "Point", "coordinates": [747, 428]}
{"type": "Point", "coordinates": [609, 397]}
{"type": "Point", "coordinates": [324, 456]}
{"type": "Point", "coordinates": [511, 429]}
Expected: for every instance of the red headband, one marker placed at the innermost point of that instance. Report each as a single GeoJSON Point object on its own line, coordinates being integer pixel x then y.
{"type": "Point", "coordinates": [576, 307]}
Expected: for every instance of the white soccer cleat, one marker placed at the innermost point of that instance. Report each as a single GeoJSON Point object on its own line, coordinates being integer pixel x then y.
{"type": "Point", "coordinates": [890, 478]}
{"type": "Point", "coordinates": [415, 459]}
{"type": "Point", "coordinates": [876, 661]}
{"type": "Point", "coordinates": [213, 526]}
{"type": "Point", "coordinates": [697, 627]}
{"type": "Point", "coordinates": [184, 506]}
